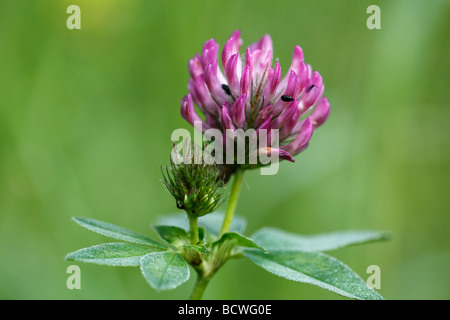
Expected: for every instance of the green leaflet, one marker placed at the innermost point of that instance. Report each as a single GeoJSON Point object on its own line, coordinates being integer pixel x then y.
{"type": "Point", "coordinates": [314, 268]}
{"type": "Point", "coordinates": [164, 270]}
{"type": "Point", "coordinates": [116, 232]}
{"type": "Point", "coordinates": [180, 238]}
{"type": "Point", "coordinates": [238, 240]}
{"type": "Point", "coordinates": [173, 235]}
{"type": "Point", "coordinates": [276, 239]}
{"type": "Point", "coordinates": [112, 254]}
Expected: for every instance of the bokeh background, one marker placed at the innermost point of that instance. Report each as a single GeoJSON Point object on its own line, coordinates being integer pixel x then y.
{"type": "Point", "coordinates": [86, 117]}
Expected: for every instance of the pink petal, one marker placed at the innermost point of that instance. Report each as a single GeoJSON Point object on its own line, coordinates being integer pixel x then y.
{"type": "Point", "coordinates": [262, 58]}
{"type": "Point", "coordinates": [189, 114]}
{"type": "Point", "coordinates": [238, 111]}
{"type": "Point", "coordinates": [214, 83]}
{"type": "Point", "coordinates": [272, 83]}
{"type": "Point", "coordinates": [249, 60]}
{"type": "Point", "coordinates": [297, 59]}
{"type": "Point", "coordinates": [231, 47]}
{"type": "Point", "coordinates": [320, 113]}
{"type": "Point", "coordinates": [287, 120]}
{"type": "Point", "coordinates": [210, 52]}
{"type": "Point", "coordinates": [275, 152]}
{"type": "Point", "coordinates": [293, 85]}
{"type": "Point", "coordinates": [308, 98]}
{"type": "Point", "coordinates": [227, 123]}
{"type": "Point", "coordinates": [300, 142]}
{"type": "Point", "coordinates": [233, 72]}
{"type": "Point", "coordinates": [195, 67]}
{"type": "Point", "coordinates": [246, 81]}
{"type": "Point", "coordinates": [201, 96]}
{"type": "Point", "coordinates": [296, 66]}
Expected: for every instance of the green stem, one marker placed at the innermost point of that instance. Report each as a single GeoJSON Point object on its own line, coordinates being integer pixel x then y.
{"type": "Point", "coordinates": [199, 288]}
{"type": "Point", "coordinates": [232, 201]}
{"type": "Point", "coordinates": [193, 227]}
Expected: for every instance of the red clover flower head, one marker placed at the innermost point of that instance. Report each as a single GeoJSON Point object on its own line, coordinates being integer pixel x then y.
{"type": "Point", "coordinates": [248, 92]}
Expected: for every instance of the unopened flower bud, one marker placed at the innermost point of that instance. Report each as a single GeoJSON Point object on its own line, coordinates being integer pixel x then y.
{"type": "Point", "coordinates": [196, 185]}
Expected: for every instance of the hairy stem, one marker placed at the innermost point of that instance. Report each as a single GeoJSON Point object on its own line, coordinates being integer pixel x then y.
{"type": "Point", "coordinates": [200, 287]}
{"type": "Point", "coordinates": [232, 201]}
{"type": "Point", "coordinates": [193, 228]}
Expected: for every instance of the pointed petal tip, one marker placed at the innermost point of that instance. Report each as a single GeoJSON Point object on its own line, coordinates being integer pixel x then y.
{"type": "Point", "coordinates": [286, 156]}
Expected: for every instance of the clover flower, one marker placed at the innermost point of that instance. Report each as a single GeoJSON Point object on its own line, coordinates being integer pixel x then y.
{"type": "Point", "coordinates": [250, 93]}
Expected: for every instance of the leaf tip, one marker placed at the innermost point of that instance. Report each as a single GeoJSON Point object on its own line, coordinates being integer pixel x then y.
{"type": "Point", "coordinates": [69, 257]}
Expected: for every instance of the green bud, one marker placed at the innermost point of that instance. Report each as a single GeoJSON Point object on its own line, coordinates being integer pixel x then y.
{"type": "Point", "coordinates": [196, 185]}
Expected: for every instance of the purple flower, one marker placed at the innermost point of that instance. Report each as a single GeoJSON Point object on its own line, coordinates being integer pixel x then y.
{"type": "Point", "coordinates": [248, 92]}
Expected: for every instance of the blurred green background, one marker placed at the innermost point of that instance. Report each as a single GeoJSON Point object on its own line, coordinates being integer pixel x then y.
{"type": "Point", "coordinates": [86, 117]}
